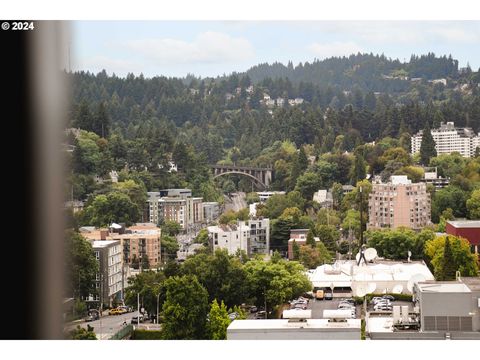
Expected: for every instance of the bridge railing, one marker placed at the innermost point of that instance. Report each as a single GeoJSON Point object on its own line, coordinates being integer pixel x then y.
{"type": "Point", "coordinates": [123, 333]}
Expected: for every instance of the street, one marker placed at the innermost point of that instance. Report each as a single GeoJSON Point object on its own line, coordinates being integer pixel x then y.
{"type": "Point", "coordinates": [108, 325]}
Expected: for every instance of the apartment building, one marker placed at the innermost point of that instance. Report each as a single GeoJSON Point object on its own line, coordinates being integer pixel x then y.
{"type": "Point", "coordinates": [252, 236]}
{"type": "Point", "coordinates": [175, 205]}
{"type": "Point", "coordinates": [259, 235]}
{"type": "Point", "coordinates": [399, 203]}
{"type": "Point", "coordinates": [211, 211]}
{"type": "Point", "coordinates": [142, 239]}
{"type": "Point", "coordinates": [108, 281]}
{"type": "Point", "coordinates": [448, 139]}
{"type": "Point", "coordinates": [231, 237]}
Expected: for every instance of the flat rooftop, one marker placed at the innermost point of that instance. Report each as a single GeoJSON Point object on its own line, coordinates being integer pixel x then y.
{"type": "Point", "coordinates": [284, 324]}
{"type": "Point", "coordinates": [104, 243]}
{"type": "Point", "coordinates": [443, 287]}
{"type": "Point", "coordinates": [379, 324]}
{"type": "Point", "coordinates": [465, 223]}
{"type": "Point", "coordinates": [473, 283]}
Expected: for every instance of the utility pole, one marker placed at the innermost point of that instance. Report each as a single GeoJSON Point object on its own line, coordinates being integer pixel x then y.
{"type": "Point", "coordinates": [158, 299]}
{"type": "Point", "coordinates": [361, 217]}
{"type": "Point", "coordinates": [265, 298]}
{"type": "Point", "coordinates": [138, 308]}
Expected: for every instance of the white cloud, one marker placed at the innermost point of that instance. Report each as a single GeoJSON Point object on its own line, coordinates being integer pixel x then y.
{"type": "Point", "coordinates": [404, 32]}
{"type": "Point", "coordinates": [207, 47]}
{"type": "Point", "coordinates": [322, 51]}
{"type": "Point", "coordinates": [98, 63]}
{"type": "Point", "coordinates": [456, 34]}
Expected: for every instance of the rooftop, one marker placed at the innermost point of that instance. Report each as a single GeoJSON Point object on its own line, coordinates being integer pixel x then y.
{"type": "Point", "coordinates": [346, 273]}
{"type": "Point", "coordinates": [443, 287]}
{"type": "Point", "coordinates": [104, 243]}
{"type": "Point", "coordinates": [379, 324]}
{"type": "Point", "coordinates": [473, 283]}
{"type": "Point", "coordinates": [465, 223]}
{"type": "Point", "coordinates": [400, 179]}
{"type": "Point", "coordinates": [284, 324]}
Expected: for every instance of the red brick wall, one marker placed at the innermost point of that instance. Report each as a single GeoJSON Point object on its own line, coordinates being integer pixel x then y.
{"type": "Point", "coordinates": [471, 234]}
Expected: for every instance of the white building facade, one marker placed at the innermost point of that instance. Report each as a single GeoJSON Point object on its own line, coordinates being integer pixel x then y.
{"type": "Point", "coordinates": [251, 236]}
{"type": "Point", "coordinates": [229, 237]}
{"type": "Point", "coordinates": [448, 139]}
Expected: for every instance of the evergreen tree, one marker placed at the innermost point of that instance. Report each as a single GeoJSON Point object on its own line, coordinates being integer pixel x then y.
{"type": "Point", "coordinates": [448, 268]}
{"type": "Point", "coordinates": [300, 165]}
{"type": "Point", "coordinates": [427, 149]}
{"type": "Point", "coordinates": [101, 121]}
{"type": "Point", "coordinates": [218, 321]}
{"type": "Point", "coordinates": [295, 250]}
{"type": "Point", "coordinates": [84, 118]}
{"type": "Point", "coordinates": [310, 238]}
{"type": "Point", "coordinates": [359, 169]}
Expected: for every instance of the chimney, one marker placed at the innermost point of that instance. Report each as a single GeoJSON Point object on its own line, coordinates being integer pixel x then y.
{"type": "Point", "coordinates": [103, 234]}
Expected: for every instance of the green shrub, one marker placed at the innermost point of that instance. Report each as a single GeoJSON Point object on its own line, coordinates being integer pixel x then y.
{"type": "Point", "coordinates": [141, 334]}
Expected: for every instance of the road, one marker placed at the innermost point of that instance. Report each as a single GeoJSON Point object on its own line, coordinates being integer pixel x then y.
{"type": "Point", "coordinates": [108, 325]}
{"type": "Point", "coordinates": [236, 201]}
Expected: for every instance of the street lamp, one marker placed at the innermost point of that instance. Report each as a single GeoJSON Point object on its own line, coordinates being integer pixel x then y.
{"type": "Point", "coordinates": [158, 298]}
{"type": "Point", "coordinates": [361, 217]}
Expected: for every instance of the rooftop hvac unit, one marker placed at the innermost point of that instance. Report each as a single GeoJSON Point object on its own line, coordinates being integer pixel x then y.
{"type": "Point", "coordinates": [337, 315]}
{"type": "Point", "coordinates": [396, 314]}
{"type": "Point", "coordinates": [405, 313]}
{"type": "Point", "coordinates": [297, 314]}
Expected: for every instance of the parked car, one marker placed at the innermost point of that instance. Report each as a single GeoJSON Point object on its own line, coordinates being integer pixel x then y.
{"type": "Point", "coordinates": [232, 316]}
{"type": "Point", "coordinates": [319, 295]}
{"type": "Point", "coordinates": [388, 297]}
{"type": "Point", "coordinates": [126, 308]}
{"type": "Point", "coordinates": [253, 309]}
{"type": "Point", "coordinates": [115, 311]}
{"type": "Point", "coordinates": [300, 306]}
{"type": "Point", "coordinates": [260, 315]}
{"type": "Point", "coordinates": [381, 301]}
{"type": "Point", "coordinates": [92, 317]}
{"type": "Point", "coordinates": [135, 319]}
{"type": "Point", "coordinates": [328, 296]}
{"type": "Point", "coordinates": [382, 307]}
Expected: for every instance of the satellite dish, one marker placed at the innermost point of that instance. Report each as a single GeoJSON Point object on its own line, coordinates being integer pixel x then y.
{"type": "Point", "coordinates": [361, 289]}
{"type": "Point", "coordinates": [328, 267]}
{"type": "Point", "coordinates": [371, 287]}
{"type": "Point", "coordinates": [397, 289]}
{"type": "Point", "coordinates": [382, 276]}
{"type": "Point", "coordinates": [370, 254]}
{"type": "Point", "coordinates": [413, 280]}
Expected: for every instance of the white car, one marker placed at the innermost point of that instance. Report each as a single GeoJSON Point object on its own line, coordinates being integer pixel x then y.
{"type": "Point", "coordinates": [382, 307]}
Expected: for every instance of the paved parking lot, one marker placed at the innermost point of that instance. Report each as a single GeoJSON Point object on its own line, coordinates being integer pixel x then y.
{"type": "Point", "coordinates": [317, 307]}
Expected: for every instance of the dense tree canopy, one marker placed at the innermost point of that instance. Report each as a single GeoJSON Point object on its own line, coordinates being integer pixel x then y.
{"type": "Point", "coordinates": [81, 266]}
{"type": "Point", "coordinates": [446, 260]}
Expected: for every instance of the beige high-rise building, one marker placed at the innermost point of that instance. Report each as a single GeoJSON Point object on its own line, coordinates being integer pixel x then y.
{"type": "Point", "coordinates": [399, 203]}
{"type": "Point", "coordinates": [448, 139]}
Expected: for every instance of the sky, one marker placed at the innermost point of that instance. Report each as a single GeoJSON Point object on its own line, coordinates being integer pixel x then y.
{"type": "Point", "coordinates": [212, 48]}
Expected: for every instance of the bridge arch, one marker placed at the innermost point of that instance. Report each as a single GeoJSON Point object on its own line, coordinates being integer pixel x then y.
{"type": "Point", "coordinates": [253, 178]}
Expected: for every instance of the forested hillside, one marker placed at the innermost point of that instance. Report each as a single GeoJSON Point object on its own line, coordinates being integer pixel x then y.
{"type": "Point", "coordinates": [316, 124]}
